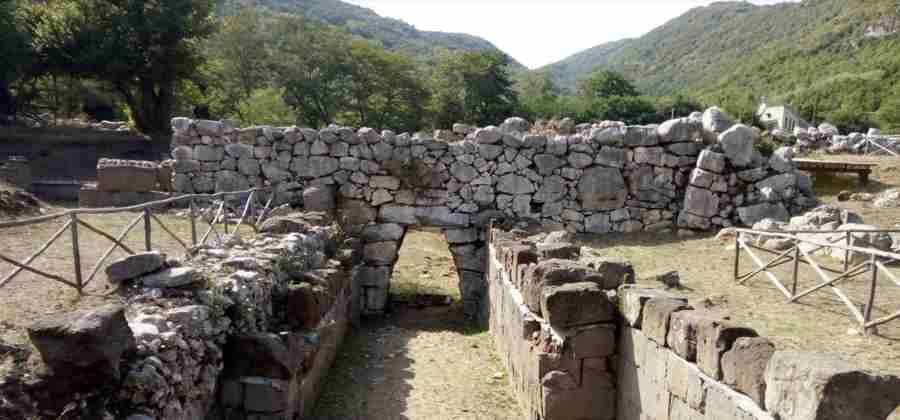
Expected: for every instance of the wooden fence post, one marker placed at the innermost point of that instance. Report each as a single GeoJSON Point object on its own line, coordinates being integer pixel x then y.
{"type": "Point", "coordinates": [76, 254]}
{"type": "Point", "coordinates": [871, 302]}
{"type": "Point", "coordinates": [849, 239]}
{"type": "Point", "coordinates": [193, 223]}
{"type": "Point", "coordinates": [148, 230]}
{"type": "Point", "coordinates": [796, 269]}
{"type": "Point", "coordinates": [737, 255]}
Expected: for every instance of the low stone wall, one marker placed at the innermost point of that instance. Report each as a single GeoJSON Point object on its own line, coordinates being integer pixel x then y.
{"type": "Point", "coordinates": [240, 330]}
{"type": "Point", "coordinates": [677, 363]}
{"type": "Point", "coordinates": [553, 324]}
{"type": "Point", "coordinates": [122, 183]}
{"type": "Point", "coordinates": [16, 171]}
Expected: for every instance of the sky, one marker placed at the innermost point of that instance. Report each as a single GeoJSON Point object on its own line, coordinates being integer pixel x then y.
{"type": "Point", "coordinates": [539, 32]}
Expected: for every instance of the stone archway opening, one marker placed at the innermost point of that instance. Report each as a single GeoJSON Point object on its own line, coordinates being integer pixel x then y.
{"type": "Point", "coordinates": [425, 273]}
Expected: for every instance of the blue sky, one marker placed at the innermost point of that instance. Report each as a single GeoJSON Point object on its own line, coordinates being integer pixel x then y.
{"type": "Point", "coordinates": [539, 32]}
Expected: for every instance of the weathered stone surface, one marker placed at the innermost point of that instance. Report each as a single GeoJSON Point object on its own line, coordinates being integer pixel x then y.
{"type": "Point", "coordinates": [576, 304]}
{"type": "Point", "coordinates": [711, 161]}
{"type": "Point", "coordinates": [134, 266]}
{"type": "Point", "coordinates": [127, 178]}
{"type": "Point", "coordinates": [383, 232]}
{"type": "Point", "coordinates": [783, 159]}
{"type": "Point", "coordinates": [632, 301]}
{"type": "Point", "coordinates": [381, 253]}
{"type": "Point", "coordinates": [802, 386]}
{"type": "Point", "coordinates": [87, 344]}
{"type": "Point", "coordinates": [602, 189]}
{"type": "Point", "coordinates": [559, 250]}
{"type": "Point", "coordinates": [172, 277]}
{"type": "Point", "coordinates": [737, 142]}
{"type": "Point", "coordinates": [679, 130]}
{"type": "Point", "coordinates": [355, 212]}
{"type": "Point", "coordinates": [515, 184]}
{"type": "Point", "coordinates": [558, 272]}
{"type": "Point", "coordinates": [749, 215]}
{"type": "Point", "coordinates": [546, 164]}
{"type": "Point", "coordinates": [714, 338]}
{"type": "Point", "coordinates": [593, 341]}
{"type": "Point", "coordinates": [616, 271]}
{"type": "Point", "coordinates": [319, 198]}
{"type": "Point", "coordinates": [744, 366]}
{"type": "Point", "coordinates": [656, 314]}
{"type": "Point", "coordinates": [716, 121]}
{"type": "Point", "coordinates": [701, 202]}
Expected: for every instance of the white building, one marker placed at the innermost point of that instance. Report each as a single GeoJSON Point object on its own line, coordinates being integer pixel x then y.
{"type": "Point", "coordinates": [782, 117]}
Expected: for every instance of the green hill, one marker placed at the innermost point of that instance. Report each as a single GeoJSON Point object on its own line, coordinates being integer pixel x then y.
{"type": "Point", "coordinates": [394, 34]}
{"type": "Point", "coordinates": [782, 51]}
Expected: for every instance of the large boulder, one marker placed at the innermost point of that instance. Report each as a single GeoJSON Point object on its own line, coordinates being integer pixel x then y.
{"type": "Point", "coordinates": [737, 142]}
{"type": "Point", "coordinates": [134, 266]}
{"type": "Point", "coordinates": [84, 345]}
{"type": "Point", "coordinates": [749, 215]}
{"type": "Point", "coordinates": [319, 198]}
{"type": "Point", "coordinates": [807, 386]}
{"type": "Point", "coordinates": [172, 277]}
{"type": "Point", "coordinates": [715, 121]}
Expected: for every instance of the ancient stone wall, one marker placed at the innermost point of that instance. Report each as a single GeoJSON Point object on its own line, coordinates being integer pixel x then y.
{"type": "Point", "coordinates": [700, 172]}
{"type": "Point", "coordinates": [552, 320]}
{"type": "Point", "coordinates": [16, 171]}
{"type": "Point", "coordinates": [240, 330]}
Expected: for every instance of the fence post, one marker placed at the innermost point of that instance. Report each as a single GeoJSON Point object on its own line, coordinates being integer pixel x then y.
{"type": "Point", "coordinates": [225, 212]}
{"type": "Point", "coordinates": [871, 303]}
{"type": "Point", "coordinates": [737, 255]}
{"type": "Point", "coordinates": [849, 238]}
{"type": "Point", "coordinates": [193, 223]}
{"type": "Point", "coordinates": [796, 269]}
{"type": "Point", "coordinates": [147, 230]}
{"type": "Point", "coordinates": [76, 253]}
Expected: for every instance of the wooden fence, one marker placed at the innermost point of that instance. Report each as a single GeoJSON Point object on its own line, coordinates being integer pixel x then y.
{"type": "Point", "coordinates": [801, 252]}
{"type": "Point", "coordinates": [146, 215]}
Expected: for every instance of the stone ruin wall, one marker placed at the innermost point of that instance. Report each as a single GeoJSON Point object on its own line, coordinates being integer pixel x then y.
{"type": "Point", "coordinates": [16, 171]}
{"type": "Point", "coordinates": [579, 342]}
{"type": "Point", "coordinates": [240, 330]}
{"type": "Point", "coordinates": [694, 173]}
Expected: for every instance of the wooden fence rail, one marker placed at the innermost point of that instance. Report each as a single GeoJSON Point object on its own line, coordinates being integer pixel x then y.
{"type": "Point", "coordinates": [801, 251]}
{"type": "Point", "coordinates": [146, 216]}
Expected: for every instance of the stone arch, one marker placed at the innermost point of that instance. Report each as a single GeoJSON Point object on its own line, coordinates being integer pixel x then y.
{"type": "Point", "coordinates": [382, 237]}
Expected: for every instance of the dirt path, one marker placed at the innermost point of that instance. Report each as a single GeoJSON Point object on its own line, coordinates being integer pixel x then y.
{"type": "Point", "coordinates": [418, 364]}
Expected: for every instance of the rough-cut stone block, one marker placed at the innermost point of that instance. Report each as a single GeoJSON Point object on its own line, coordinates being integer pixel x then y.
{"type": "Point", "coordinates": [714, 338]}
{"type": "Point", "coordinates": [381, 253]}
{"type": "Point", "coordinates": [615, 271]}
{"type": "Point", "coordinates": [655, 322]}
{"type": "Point", "coordinates": [127, 178]}
{"type": "Point", "coordinates": [576, 304]}
{"type": "Point", "coordinates": [679, 410]}
{"type": "Point", "coordinates": [602, 189]}
{"type": "Point", "coordinates": [801, 386]}
{"type": "Point", "coordinates": [88, 343]}
{"type": "Point", "coordinates": [633, 299]}
{"type": "Point", "coordinates": [593, 341]}
{"type": "Point", "coordinates": [563, 251]}
{"type": "Point", "coordinates": [516, 256]}
{"type": "Point", "coordinates": [563, 399]}
{"type": "Point", "coordinates": [725, 404]}
{"type": "Point", "coordinates": [261, 354]}
{"type": "Point", "coordinates": [555, 273]}
{"type": "Point", "coordinates": [134, 266]}
{"type": "Point", "coordinates": [172, 277]}
{"type": "Point", "coordinates": [684, 332]}
{"type": "Point", "coordinates": [744, 366]}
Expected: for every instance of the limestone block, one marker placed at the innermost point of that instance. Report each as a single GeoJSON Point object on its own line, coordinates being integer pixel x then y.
{"type": "Point", "coordinates": [515, 184]}
{"type": "Point", "coordinates": [724, 404]}
{"type": "Point", "coordinates": [490, 151]}
{"type": "Point", "coordinates": [563, 399]}
{"type": "Point", "coordinates": [701, 202]}
{"type": "Point", "coordinates": [737, 142]}
{"type": "Point", "coordinates": [641, 136]}
{"type": "Point", "coordinates": [383, 232]}
{"type": "Point", "coordinates": [355, 212]}
{"type": "Point", "coordinates": [714, 338]}
{"type": "Point", "coordinates": [602, 189]}
{"type": "Point", "coordinates": [611, 156]}
{"type": "Point", "coordinates": [172, 277]}
{"type": "Point", "coordinates": [319, 198]}
{"type": "Point", "coordinates": [563, 251]}
{"type": "Point", "coordinates": [711, 161]}
{"type": "Point", "coordinates": [744, 366]}
{"type": "Point", "coordinates": [613, 270]}
{"type": "Point", "coordinates": [556, 273]}
{"type": "Point", "coordinates": [632, 301]}
{"type": "Point", "coordinates": [381, 253]}
{"type": "Point", "coordinates": [576, 304]}
{"type": "Point", "coordinates": [656, 314]}
{"type": "Point", "coordinates": [134, 266]}
{"type": "Point", "coordinates": [679, 130]}
{"type": "Point", "coordinates": [749, 215]}
{"type": "Point", "coordinates": [807, 386]}
{"type": "Point", "coordinates": [127, 176]}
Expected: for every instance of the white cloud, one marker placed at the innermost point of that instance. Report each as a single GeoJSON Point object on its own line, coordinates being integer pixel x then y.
{"type": "Point", "coordinates": [539, 32]}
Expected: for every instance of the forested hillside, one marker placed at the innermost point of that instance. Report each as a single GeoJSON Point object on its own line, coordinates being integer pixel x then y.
{"type": "Point", "coordinates": [394, 34]}
{"type": "Point", "coordinates": [830, 58]}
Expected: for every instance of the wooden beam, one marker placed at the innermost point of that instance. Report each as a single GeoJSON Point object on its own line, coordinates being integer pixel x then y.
{"type": "Point", "coordinates": [116, 243]}
{"type": "Point", "coordinates": [36, 254]}
{"type": "Point", "coordinates": [38, 272]}
{"type": "Point", "coordinates": [106, 235]}
{"type": "Point", "coordinates": [166, 229]}
{"type": "Point", "coordinates": [771, 276]}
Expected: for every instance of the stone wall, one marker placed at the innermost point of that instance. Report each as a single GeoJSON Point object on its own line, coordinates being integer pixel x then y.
{"type": "Point", "coordinates": [122, 183]}
{"type": "Point", "coordinates": [240, 330]}
{"type": "Point", "coordinates": [677, 363]}
{"type": "Point", "coordinates": [700, 172]}
{"type": "Point", "coordinates": [552, 321]}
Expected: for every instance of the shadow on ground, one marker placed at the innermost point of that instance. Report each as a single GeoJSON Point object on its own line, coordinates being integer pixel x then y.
{"type": "Point", "coordinates": [413, 364]}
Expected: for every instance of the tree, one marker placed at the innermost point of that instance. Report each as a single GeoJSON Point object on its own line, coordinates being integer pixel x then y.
{"type": "Point", "coordinates": [475, 87]}
{"type": "Point", "coordinates": [239, 62]}
{"type": "Point", "coordinates": [142, 48]}
{"type": "Point", "coordinates": [538, 95]}
{"type": "Point", "coordinates": [15, 48]}
{"type": "Point", "coordinates": [888, 115]}
{"type": "Point", "coordinates": [605, 84]}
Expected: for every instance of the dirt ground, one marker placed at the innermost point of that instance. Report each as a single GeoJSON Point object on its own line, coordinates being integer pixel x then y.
{"type": "Point", "coordinates": [30, 297]}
